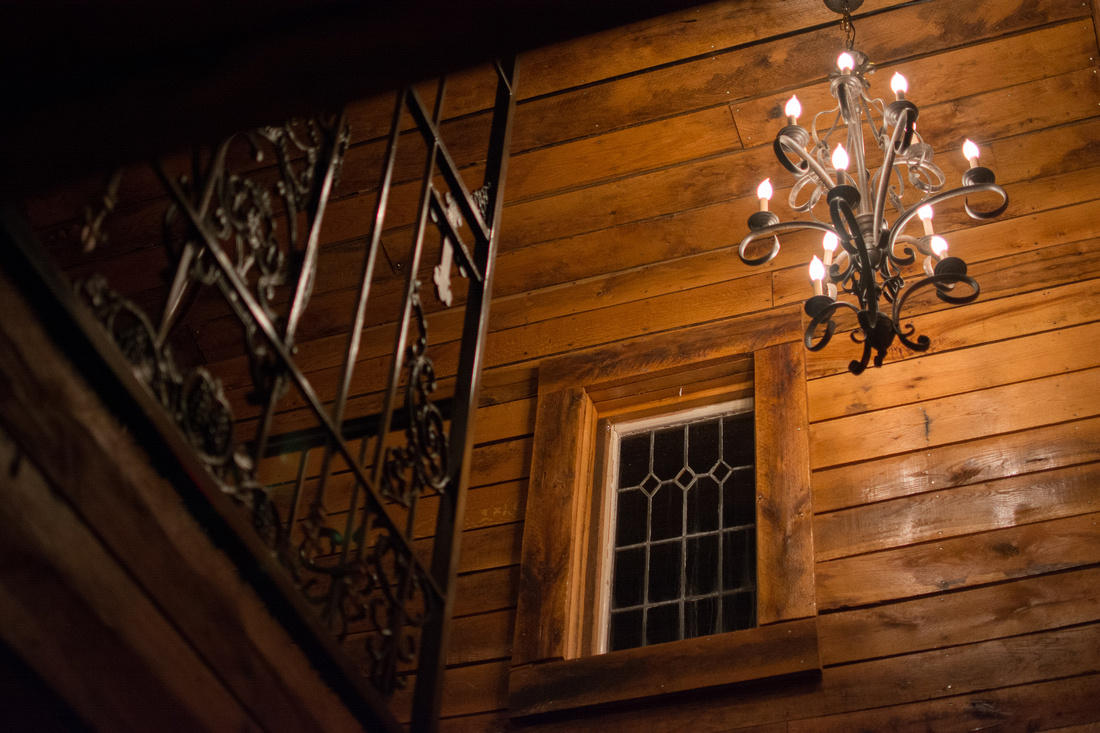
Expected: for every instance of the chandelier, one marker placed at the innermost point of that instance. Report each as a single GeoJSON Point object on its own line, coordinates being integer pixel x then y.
{"type": "Point", "coordinates": [876, 269]}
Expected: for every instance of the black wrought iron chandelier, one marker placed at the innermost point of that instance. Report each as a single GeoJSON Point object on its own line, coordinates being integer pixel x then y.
{"type": "Point", "coordinates": [875, 258]}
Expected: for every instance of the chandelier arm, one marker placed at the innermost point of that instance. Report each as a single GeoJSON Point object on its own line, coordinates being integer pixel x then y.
{"type": "Point", "coordinates": [933, 178]}
{"type": "Point", "coordinates": [848, 229]}
{"type": "Point", "coordinates": [993, 213]}
{"type": "Point", "coordinates": [825, 316]}
{"type": "Point", "coordinates": [781, 144]}
{"type": "Point", "coordinates": [941, 281]}
{"type": "Point", "coordinates": [813, 197]}
{"type": "Point", "coordinates": [910, 256]}
{"type": "Point", "coordinates": [884, 177]}
{"type": "Point", "coordinates": [871, 106]}
{"type": "Point", "coordinates": [771, 231]}
{"type": "Point", "coordinates": [838, 276]}
{"type": "Point", "coordinates": [905, 218]}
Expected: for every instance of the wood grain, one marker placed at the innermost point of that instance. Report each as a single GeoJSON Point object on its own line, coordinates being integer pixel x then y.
{"type": "Point", "coordinates": [939, 515]}
{"type": "Point", "coordinates": [939, 375]}
{"type": "Point", "coordinates": [660, 352]}
{"type": "Point", "coordinates": [1022, 606]}
{"type": "Point", "coordinates": [556, 501]}
{"type": "Point", "coordinates": [90, 630]}
{"type": "Point", "coordinates": [649, 672]}
{"type": "Point", "coordinates": [949, 419]}
{"type": "Point", "coordinates": [1023, 707]}
{"type": "Point", "coordinates": [927, 676]}
{"type": "Point", "coordinates": [88, 459]}
{"type": "Point", "coordinates": [784, 509]}
{"type": "Point", "coordinates": [939, 79]}
{"type": "Point", "coordinates": [961, 562]}
{"type": "Point", "coordinates": [959, 464]}
{"type": "Point", "coordinates": [954, 538]}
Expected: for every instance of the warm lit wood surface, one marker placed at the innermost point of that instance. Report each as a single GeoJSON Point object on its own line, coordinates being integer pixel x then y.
{"type": "Point", "coordinates": [955, 492]}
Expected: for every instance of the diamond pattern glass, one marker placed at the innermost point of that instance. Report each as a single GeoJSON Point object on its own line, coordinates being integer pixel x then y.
{"type": "Point", "coordinates": [685, 534]}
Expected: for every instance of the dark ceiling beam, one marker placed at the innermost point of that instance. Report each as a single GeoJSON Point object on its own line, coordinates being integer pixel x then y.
{"type": "Point", "coordinates": [88, 86]}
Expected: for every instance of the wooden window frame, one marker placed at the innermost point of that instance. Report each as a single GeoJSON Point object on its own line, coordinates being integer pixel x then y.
{"type": "Point", "coordinates": [553, 668]}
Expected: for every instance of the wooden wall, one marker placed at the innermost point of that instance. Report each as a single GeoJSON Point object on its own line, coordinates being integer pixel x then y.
{"type": "Point", "coordinates": [955, 493]}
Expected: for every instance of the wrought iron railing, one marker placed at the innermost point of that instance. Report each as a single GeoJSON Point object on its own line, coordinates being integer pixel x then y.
{"type": "Point", "coordinates": [336, 534]}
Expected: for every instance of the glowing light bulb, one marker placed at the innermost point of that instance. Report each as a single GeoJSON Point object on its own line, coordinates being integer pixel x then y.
{"type": "Point", "coordinates": [764, 193]}
{"type": "Point", "coordinates": [840, 158]}
{"type": "Point", "coordinates": [829, 242]}
{"type": "Point", "coordinates": [840, 163]}
{"type": "Point", "coordinates": [939, 246]}
{"type": "Point", "coordinates": [899, 86]}
{"type": "Point", "coordinates": [971, 152]}
{"type": "Point", "coordinates": [925, 214]}
{"type": "Point", "coordinates": [845, 62]}
{"type": "Point", "coordinates": [793, 109]}
{"type": "Point", "coordinates": [817, 273]}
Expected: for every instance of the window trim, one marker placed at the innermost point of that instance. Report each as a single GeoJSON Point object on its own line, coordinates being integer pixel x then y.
{"type": "Point", "coordinates": [552, 668]}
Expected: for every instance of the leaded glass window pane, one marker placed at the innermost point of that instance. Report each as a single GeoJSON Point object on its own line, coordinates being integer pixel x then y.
{"type": "Point", "coordinates": [684, 561]}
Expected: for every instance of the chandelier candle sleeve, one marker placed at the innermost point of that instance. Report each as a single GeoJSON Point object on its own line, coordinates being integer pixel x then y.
{"type": "Point", "coordinates": [867, 202]}
{"type": "Point", "coordinates": [829, 242]}
{"type": "Point", "coordinates": [925, 214]}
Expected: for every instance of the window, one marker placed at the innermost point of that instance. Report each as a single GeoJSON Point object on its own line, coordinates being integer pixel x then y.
{"type": "Point", "coordinates": [680, 550]}
{"type": "Point", "coordinates": [558, 659]}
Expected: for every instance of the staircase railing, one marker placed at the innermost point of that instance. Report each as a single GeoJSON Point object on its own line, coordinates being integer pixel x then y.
{"type": "Point", "coordinates": [331, 520]}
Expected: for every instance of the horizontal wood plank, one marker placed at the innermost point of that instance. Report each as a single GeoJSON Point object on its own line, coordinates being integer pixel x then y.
{"type": "Point", "coordinates": [939, 375]}
{"type": "Point", "coordinates": [982, 459]}
{"type": "Point", "coordinates": [963, 510]}
{"type": "Point", "coordinates": [932, 675]}
{"type": "Point", "coordinates": [1030, 707]}
{"type": "Point", "coordinates": [732, 338]}
{"type": "Point", "coordinates": [949, 419]}
{"type": "Point", "coordinates": [1023, 606]}
{"type": "Point", "coordinates": [960, 562]}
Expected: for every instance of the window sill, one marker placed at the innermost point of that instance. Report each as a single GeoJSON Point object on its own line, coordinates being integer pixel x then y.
{"type": "Point", "coordinates": [778, 650]}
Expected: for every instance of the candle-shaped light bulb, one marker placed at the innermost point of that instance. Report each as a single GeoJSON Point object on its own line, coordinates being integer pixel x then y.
{"type": "Point", "coordinates": [793, 109]}
{"type": "Point", "coordinates": [845, 62]}
{"type": "Point", "coordinates": [764, 193]}
{"type": "Point", "coordinates": [925, 214]}
{"type": "Point", "coordinates": [829, 242]}
{"type": "Point", "coordinates": [970, 152]}
{"type": "Point", "coordinates": [840, 158]}
{"type": "Point", "coordinates": [840, 162]}
{"type": "Point", "coordinates": [939, 246]}
{"type": "Point", "coordinates": [817, 274]}
{"type": "Point", "coordinates": [899, 86]}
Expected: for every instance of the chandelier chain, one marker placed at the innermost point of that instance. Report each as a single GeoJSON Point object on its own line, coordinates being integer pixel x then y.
{"type": "Point", "coordinates": [849, 28]}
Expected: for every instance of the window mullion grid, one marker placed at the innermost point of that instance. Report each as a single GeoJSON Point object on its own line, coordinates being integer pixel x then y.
{"type": "Point", "coordinates": [724, 533]}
